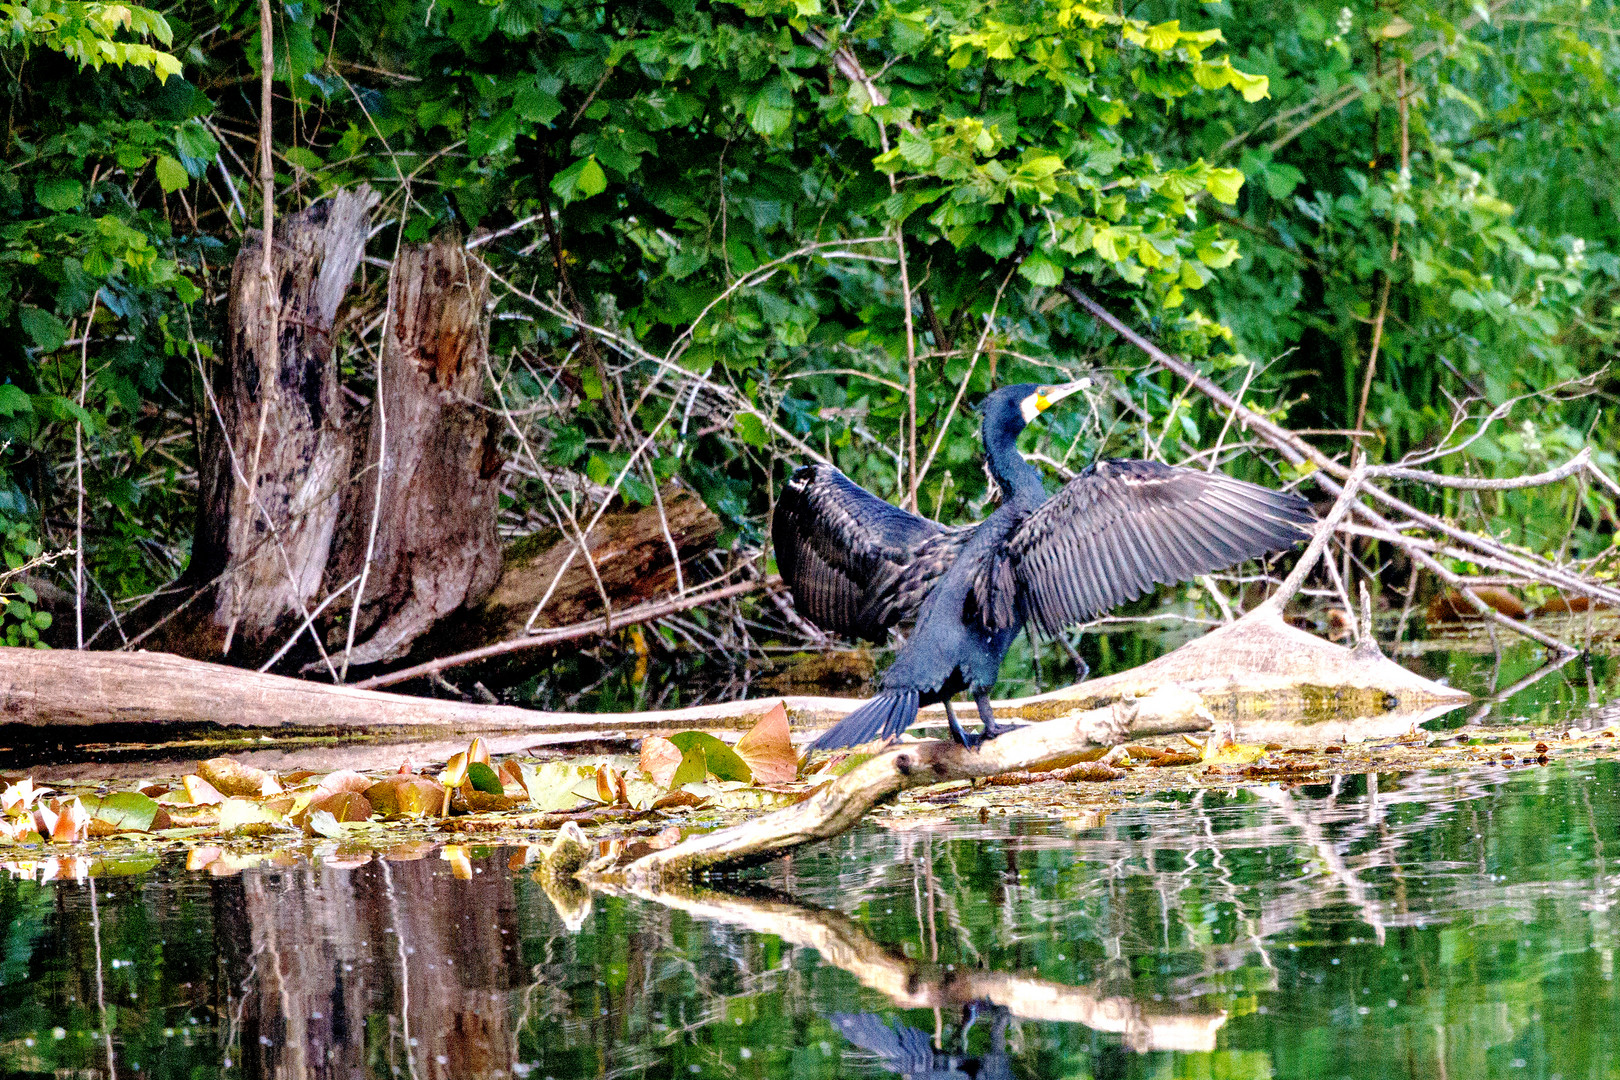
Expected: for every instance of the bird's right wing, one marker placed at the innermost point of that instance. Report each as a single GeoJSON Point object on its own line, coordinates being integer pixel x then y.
{"type": "Point", "coordinates": [1121, 527]}
{"type": "Point", "coordinates": [856, 564]}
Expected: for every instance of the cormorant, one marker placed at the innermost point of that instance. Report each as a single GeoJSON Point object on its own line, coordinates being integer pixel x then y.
{"type": "Point", "coordinates": [857, 565]}
{"type": "Point", "coordinates": [901, 1048]}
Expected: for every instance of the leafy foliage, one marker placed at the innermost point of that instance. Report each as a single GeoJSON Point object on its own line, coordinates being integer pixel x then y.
{"type": "Point", "coordinates": [731, 235]}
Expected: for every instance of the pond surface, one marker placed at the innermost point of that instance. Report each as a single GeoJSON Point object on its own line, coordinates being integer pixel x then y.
{"type": "Point", "coordinates": [1442, 924]}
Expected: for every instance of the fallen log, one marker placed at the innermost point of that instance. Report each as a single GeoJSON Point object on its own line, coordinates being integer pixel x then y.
{"type": "Point", "coordinates": [838, 805]}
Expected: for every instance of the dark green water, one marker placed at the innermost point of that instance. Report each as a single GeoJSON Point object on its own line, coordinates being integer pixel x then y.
{"type": "Point", "coordinates": [1431, 926]}
{"type": "Point", "coordinates": [1450, 925]}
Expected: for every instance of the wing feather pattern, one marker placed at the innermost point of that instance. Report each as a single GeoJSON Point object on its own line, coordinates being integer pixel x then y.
{"type": "Point", "coordinates": [1122, 527]}
{"type": "Point", "coordinates": [856, 564]}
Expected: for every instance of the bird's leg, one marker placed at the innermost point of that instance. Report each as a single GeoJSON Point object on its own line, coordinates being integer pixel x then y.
{"type": "Point", "coordinates": [987, 717]}
{"type": "Point", "coordinates": [1081, 668]}
{"type": "Point", "coordinates": [956, 725]}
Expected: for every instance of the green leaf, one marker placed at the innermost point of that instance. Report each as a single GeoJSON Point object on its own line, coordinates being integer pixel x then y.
{"type": "Point", "coordinates": [693, 769]}
{"type": "Point", "coordinates": [126, 811]}
{"type": "Point", "coordinates": [750, 429]}
{"type": "Point", "coordinates": [533, 103]}
{"type": "Point", "coordinates": [580, 180]}
{"type": "Point", "coordinates": [171, 175]}
{"type": "Point", "coordinates": [47, 331]}
{"type": "Point", "coordinates": [1040, 270]}
{"type": "Point", "coordinates": [483, 778]}
{"type": "Point", "coordinates": [59, 193]}
{"type": "Point", "coordinates": [723, 760]}
{"type": "Point", "coordinates": [1224, 184]}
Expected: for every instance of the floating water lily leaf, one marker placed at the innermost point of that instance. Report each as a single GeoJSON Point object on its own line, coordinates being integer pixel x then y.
{"type": "Point", "coordinates": [324, 823]}
{"type": "Point", "coordinates": [483, 778]}
{"type": "Point", "coordinates": [641, 794]}
{"type": "Point", "coordinates": [1235, 754]}
{"type": "Point", "coordinates": [551, 786]}
{"type": "Point", "coordinates": [344, 780]}
{"type": "Point", "coordinates": [201, 792]}
{"type": "Point", "coordinates": [232, 777]}
{"type": "Point", "coordinates": [659, 760]}
{"type": "Point", "coordinates": [694, 768]}
{"type": "Point", "coordinates": [767, 749]}
{"type": "Point", "coordinates": [245, 816]}
{"type": "Point", "coordinates": [125, 811]}
{"type": "Point", "coordinates": [403, 793]}
{"type": "Point", "coordinates": [344, 806]}
{"type": "Point", "coordinates": [723, 760]}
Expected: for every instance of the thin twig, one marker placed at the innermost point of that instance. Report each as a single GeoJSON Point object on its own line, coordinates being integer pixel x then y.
{"type": "Point", "coordinates": [78, 468]}
{"type": "Point", "coordinates": [641, 613]}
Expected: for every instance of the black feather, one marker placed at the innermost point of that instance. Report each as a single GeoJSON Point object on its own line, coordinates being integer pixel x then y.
{"type": "Point", "coordinates": [884, 717]}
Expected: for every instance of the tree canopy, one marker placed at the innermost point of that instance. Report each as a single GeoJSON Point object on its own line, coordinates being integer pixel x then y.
{"type": "Point", "coordinates": [729, 236]}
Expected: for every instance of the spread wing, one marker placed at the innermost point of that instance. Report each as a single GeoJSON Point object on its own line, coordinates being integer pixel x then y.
{"type": "Point", "coordinates": [856, 564]}
{"type": "Point", "coordinates": [1122, 527]}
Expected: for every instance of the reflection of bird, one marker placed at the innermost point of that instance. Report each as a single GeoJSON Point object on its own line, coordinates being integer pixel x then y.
{"type": "Point", "coordinates": [858, 565]}
{"type": "Point", "coordinates": [911, 1053]}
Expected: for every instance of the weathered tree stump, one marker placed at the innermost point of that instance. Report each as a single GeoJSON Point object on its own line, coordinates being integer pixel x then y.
{"type": "Point", "coordinates": [425, 509]}
{"type": "Point", "coordinates": [275, 452]}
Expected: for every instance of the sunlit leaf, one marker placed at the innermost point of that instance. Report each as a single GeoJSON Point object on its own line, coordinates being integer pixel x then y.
{"type": "Point", "coordinates": [767, 749]}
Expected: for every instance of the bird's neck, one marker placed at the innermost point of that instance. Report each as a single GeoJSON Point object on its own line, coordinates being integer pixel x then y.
{"type": "Point", "coordinates": [1018, 478]}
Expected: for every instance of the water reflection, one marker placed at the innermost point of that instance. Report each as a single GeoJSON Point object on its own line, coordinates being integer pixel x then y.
{"type": "Point", "coordinates": [1455, 925]}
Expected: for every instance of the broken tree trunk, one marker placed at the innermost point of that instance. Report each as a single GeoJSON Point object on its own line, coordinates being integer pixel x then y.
{"type": "Point", "coordinates": [418, 534]}
{"type": "Point", "coordinates": [275, 453]}
{"type": "Point", "coordinates": [633, 554]}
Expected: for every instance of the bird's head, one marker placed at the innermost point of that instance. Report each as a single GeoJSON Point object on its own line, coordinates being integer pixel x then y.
{"type": "Point", "coordinates": [1025, 401]}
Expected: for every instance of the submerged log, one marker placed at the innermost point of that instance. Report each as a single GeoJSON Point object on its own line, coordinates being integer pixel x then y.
{"type": "Point", "coordinates": [424, 513]}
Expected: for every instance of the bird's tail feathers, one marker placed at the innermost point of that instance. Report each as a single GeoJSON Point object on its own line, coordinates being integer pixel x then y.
{"type": "Point", "coordinates": [884, 717]}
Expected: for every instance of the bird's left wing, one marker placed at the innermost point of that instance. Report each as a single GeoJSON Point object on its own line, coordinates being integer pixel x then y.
{"type": "Point", "coordinates": [856, 564]}
{"type": "Point", "coordinates": [1120, 528]}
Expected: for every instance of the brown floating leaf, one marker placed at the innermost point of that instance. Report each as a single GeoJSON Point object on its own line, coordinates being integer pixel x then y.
{"type": "Point", "coordinates": [659, 759]}
{"type": "Point", "coordinates": [403, 793]}
{"type": "Point", "coordinates": [342, 805]}
{"type": "Point", "coordinates": [343, 780]}
{"type": "Point", "coordinates": [767, 749]}
{"type": "Point", "coordinates": [232, 777]}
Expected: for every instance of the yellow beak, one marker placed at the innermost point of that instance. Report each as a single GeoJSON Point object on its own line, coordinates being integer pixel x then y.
{"type": "Point", "coordinates": [1051, 395]}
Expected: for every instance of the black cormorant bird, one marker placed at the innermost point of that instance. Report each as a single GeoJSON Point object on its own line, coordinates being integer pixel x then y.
{"type": "Point", "coordinates": [857, 565]}
{"type": "Point", "coordinates": [901, 1048]}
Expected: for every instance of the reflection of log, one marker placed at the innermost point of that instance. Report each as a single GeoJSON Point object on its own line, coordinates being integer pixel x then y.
{"type": "Point", "coordinates": [435, 546]}
{"type": "Point", "coordinates": [912, 984]}
{"type": "Point", "coordinates": [270, 476]}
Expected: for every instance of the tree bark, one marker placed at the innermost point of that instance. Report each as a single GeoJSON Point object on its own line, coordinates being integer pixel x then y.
{"type": "Point", "coordinates": [276, 452]}
{"type": "Point", "coordinates": [425, 509]}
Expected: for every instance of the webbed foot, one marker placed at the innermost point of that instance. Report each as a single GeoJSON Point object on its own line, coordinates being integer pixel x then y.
{"type": "Point", "coordinates": [992, 730]}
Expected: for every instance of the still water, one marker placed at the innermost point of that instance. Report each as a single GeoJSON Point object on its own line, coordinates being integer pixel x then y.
{"type": "Point", "coordinates": [1441, 924]}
